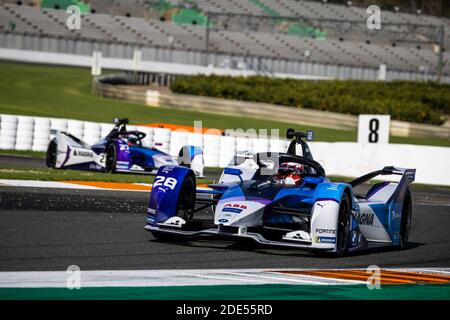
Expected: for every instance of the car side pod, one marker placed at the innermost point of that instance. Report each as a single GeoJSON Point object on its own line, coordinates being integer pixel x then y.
{"type": "Point", "coordinates": [170, 182]}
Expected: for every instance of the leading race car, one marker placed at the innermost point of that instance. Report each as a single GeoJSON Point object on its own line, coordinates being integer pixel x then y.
{"type": "Point", "coordinates": [283, 200]}
{"type": "Point", "coordinates": [120, 151]}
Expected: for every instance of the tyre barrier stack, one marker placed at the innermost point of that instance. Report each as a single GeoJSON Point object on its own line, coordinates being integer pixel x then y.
{"type": "Point", "coordinates": [34, 134]}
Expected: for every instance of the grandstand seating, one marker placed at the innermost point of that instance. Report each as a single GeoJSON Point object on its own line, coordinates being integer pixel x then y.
{"type": "Point", "coordinates": [123, 22]}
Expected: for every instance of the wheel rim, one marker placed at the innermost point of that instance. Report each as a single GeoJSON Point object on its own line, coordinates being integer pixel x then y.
{"type": "Point", "coordinates": [343, 225]}
{"type": "Point", "coordinates": [187, 201]}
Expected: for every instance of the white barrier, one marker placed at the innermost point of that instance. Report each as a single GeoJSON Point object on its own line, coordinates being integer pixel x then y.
{"type": "Point", "coordinates": [75, 127]}
{"type": "Point", "coordinates": [148, 140]}
{"type": "Point", "coordinates": [41, 135]}
{"type": "Point", "coordinates": [8, 129]}
{"type": "Point", "coordinates": [338, 158]}
{"type": "Point", "coordinates": [227, 150]}
{"type": "Point", "coordinates": [211, 150]}
{"type": "Point", "coordinates": [91, 132]}
{"type": "Point", "coordinates": [25, 126]}
{"type": "Point", "coordinates": [353, 160]}
{"type": "Point", "coordinates": [178, 140]}
{"type": "Point", "coordinates": [161, 139]}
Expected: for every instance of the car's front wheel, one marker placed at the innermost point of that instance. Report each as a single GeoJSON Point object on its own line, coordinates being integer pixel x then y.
{"type": "Point", "coordinates": [52, 153]}
{"type": "Point", "coordinates": [343, 227]}
{"type": "Point", "coordinates": [185, 207]}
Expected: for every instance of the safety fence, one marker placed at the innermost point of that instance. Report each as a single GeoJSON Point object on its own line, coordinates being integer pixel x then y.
{"type": "Point", "coordinates": [338, 158]}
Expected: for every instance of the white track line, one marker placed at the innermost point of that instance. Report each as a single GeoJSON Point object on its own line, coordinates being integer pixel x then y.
{"type": "Point", "coordinates": [344, 281]}
{"type": "Point", "coordinates": [436, 271]}
{"type": "Point", "coordinates": [181, 277]}
{"type": "Point", "coordinates": [220, 278]}
{"type": "Point", "coordinates": [280, 278]}
{"type": "Point", "coordinates": [441, 204]}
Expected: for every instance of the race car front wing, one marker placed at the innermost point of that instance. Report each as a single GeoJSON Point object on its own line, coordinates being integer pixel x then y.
{"type": "Point", "coordinates": [242, 234]}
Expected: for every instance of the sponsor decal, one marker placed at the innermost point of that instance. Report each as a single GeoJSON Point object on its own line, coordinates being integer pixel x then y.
{"type": "Point", "coordinates": [365, 218]}
{"type": "Point", "coordinates": [167, 169]}
{"type": "Point", "coordinates": [354, 238]}
{"type": "Point", "coordinates": [329, 231]}
{"type": "Point", "coordinates": [168, 182]}
{"type": "Point", "coordinates": [234, 207]}
{"type": "Point", "coordinates": [82, 153]}
{"type": "Point", "coordinates": [396, 215]}
{"type": "Point", "coordinates": [234, 210]}
{"type": "Point", "coordinates": [94, 166]}
{"type": "Point", "coordinates": [326, 239]}
{"type": "Point", "coordinates": [124, 147]}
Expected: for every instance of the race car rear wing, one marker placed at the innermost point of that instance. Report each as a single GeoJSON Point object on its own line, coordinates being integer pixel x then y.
{"type": "Point", "coordinates": [409, 174]}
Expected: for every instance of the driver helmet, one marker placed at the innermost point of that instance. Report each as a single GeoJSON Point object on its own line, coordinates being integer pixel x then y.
{"type": "Point", "coordinates": [290, 173]}
{"type": "Point", "coordinates": [132, 141]}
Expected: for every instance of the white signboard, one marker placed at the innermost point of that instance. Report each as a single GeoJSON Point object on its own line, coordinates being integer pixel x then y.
{"type": "Point", "coordinates": [373, 128]}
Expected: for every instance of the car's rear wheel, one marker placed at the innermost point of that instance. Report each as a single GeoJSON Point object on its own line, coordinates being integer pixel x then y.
{"type": "Point", "coordinates": [343, 227]}
{"type": "Point", "coordinates": [405, 224]}
{"type": "Point", "coordinates": [111, 158]}
{"type": "Point", "coordinates": [52, 153]}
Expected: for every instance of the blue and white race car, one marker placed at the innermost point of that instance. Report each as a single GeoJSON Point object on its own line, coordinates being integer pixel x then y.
{"type": "Point", "coordinates": [283, 200]}
{"type": "Point", "coordinates": [120, 151]}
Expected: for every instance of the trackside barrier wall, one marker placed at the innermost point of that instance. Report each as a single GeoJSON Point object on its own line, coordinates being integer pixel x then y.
{"type": "Point", "coordinates": [338, 158]}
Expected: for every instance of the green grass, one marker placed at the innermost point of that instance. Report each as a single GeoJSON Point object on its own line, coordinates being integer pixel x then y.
{"type": "Point", "coordinates": [75, 175]}
{"type": "Point", "coordinates": [23, 153]}
{"type": "Point", "coordinates": [70, 175]}
{"type": "Point", "coordinates": [65, 92]}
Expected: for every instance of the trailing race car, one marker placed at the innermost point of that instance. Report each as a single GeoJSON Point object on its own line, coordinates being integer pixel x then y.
{"type": "Point", "coordinates": [120, 151]}
{"type": "Point", "coordinates": [283, 200]}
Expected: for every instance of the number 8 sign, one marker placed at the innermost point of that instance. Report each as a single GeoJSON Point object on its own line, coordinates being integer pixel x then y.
{"type": "Point", "coordinates": [373, 128]}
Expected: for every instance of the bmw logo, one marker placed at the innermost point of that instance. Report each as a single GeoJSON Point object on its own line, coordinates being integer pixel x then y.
{"type": "Point", "coordinates": [354, 238]}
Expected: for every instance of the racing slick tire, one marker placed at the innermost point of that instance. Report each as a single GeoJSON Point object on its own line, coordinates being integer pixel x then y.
{"type": "Point", "coordinates": [51, 155]}
{"type": "Point", "coordinates": [111, 158]}
{"type": "Point", "coordinates": [186, 199]}
{"type": "Point", "coordinates": [405, 223]}
{"type": "Point", "coordinates": [185, 206]}
{"type": "Point", "coordinates": [343, 227]}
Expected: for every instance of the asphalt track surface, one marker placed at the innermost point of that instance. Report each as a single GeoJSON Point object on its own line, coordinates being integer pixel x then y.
{"type": "Point", "coordinates": [50, 229]}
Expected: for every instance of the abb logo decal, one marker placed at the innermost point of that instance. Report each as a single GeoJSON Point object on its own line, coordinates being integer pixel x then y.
{"type": "Point", "coordinates": [236, 205]}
